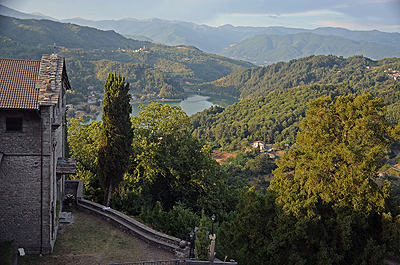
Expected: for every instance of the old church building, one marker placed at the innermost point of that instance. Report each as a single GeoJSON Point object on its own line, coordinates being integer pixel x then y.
{"type": "Point", "coordinates": [32, 144]}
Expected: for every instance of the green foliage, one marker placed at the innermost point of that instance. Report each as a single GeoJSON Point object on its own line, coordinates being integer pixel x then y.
{"type": "Point", "coordinates": [325, 185]}
{"type": "Point", "coordinates": [323, 206]}
{"type": "Point", "coordinates": [250, 167]}
{"type": "Point", "coordinates": [346, 137]}
{"type": "Point", "coordinates": [276, 97]}
{"type": "Point", "coordinates": [357, 71]}
{"type": "Point", "coordinates": [172, 165]}
{"type": "Point", "coordinates": [116, 134]}
{"type": "Point", "coordinates": [202, 240]}
{"type": "Point", "coordinates": [45, 33]}
{"type": "Point", "coordinates": [247, 237]}
{"type": "Point", "coordinates": [176, 222]}
{"type": "Point", "coordinates": [84, 143]}
{"type": "Point", "coordinates": [91, 54]}
{"type": "Point", "coordinates": [272, 119]}
{"type": "Point", "coordinates": [143, 79]}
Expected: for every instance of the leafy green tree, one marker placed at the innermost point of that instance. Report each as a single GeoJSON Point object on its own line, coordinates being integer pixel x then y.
{"type": "Point", "coordinates": [333, 211]}
{"type": "Point", "coordinates": [202, 240]}
{"type": "Point", "coordinates": [338, 152]}
{"type": "Point", "coordinates": [116, 134]}
{"type": "Point", "coordinates": [246, 238]}
{"type": "Point", "coordinates": [84, 143]}
{"type": "Point", "coordinates": [324, 205]}
{"type": "Point", "coordinates": [172, 165]}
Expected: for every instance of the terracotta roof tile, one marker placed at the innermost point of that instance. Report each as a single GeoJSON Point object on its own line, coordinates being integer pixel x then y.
{"type": "Point", "coordinates": [26, 84]}
{"type": "Point", "coordinates": [17, 84]}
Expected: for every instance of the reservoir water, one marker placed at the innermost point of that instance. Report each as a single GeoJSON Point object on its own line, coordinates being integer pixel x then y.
{"type": "Point", "coordinates": [192, 104]}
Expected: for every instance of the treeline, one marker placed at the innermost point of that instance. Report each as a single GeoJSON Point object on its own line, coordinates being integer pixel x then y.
{"type": "Point", "coordinates": [357, 71]}
{"type": "Point", "coordinates": [275, 117]}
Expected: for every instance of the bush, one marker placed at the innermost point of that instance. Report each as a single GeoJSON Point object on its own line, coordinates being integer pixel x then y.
{"type": "Point", "coordinates": [175, 222]}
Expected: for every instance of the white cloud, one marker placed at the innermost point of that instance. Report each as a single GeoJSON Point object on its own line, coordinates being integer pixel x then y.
{"type": "Point", "coordinates": [248, 15]}
{"type": "Point", "coordinates": [312, 13]}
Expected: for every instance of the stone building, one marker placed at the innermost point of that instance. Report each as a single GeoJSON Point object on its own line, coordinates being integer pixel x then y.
{"type": "Point", "coordinates": [32, 143]}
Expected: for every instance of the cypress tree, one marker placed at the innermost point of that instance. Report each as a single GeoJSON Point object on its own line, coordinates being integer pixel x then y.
{"type": "Point", "coordinates": [116, 134]}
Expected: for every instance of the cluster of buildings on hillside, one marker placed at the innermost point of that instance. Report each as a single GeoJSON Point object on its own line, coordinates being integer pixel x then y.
{"type": "Point", "coordinates": [393, 74]}
{"type": "Point", "coordinates": [128, 49]}
{"type": "Point", "coordinates": [88, 109]}
{"type": "Point", "coordinates": [267, 149]}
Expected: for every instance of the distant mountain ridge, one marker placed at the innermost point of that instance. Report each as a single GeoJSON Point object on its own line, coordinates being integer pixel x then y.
{"type": "Point", "coordinates": [215, 39]}
{"type": "Point", "coordinates": [266, 49]}
{"type": "Point", "coordinates": [220, 39]}
{"type": "Point", "coordinates": [6, 11]}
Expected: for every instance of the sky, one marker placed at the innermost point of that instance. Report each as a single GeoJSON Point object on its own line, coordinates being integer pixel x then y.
{"type": "Point", "coordinates": [383, 15]}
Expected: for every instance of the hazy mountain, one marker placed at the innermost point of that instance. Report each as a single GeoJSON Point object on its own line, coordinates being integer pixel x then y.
{"type": "Point", "coordinates": [6, 11]}
{"type": "Point", "coordinates": [42, 33]}
{"type": "Point", "coordinates": [216, 39]}
{"type": "Point", "coordinates": [267, 49]}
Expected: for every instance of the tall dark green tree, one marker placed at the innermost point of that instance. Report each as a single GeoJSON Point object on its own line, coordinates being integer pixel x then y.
{"type": "Point", "coordinates": [116, 134]}
{"type": "Point", "coordinates": [325, 204]}
{"type": "Point", "coordinates": [333, 209]}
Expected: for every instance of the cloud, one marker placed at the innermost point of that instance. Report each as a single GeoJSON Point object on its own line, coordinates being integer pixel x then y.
{"type": "Point", "coordinates": [247, 15]}
{"type": "Point", "coordinates": [313, 13]}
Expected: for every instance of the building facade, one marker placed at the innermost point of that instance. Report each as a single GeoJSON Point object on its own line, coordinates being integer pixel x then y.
{"type": "Point", "coordinates": [32, 144]}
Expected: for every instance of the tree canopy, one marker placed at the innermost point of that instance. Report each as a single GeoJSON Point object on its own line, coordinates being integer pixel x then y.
{"type": "Point", "coordinates": [172, 164]}
{"type": "Point", "coordinates": [116, 134]}
{"type": "Point", "coordinates": [324, 205]}
{"type": "Point", "coordinates": [341, 146]}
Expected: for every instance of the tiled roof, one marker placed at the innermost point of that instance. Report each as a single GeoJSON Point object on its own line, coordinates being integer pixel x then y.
{"type": "Point", "coordinates": [17, 84]}
{"type": "Point", "coordinates": [26, 84]}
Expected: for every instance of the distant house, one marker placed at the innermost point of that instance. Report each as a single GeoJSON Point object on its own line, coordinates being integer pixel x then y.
{"type": "Point", "coordinates": [32, 143]}
{"type": "Point", "coordinates": [258, 144]}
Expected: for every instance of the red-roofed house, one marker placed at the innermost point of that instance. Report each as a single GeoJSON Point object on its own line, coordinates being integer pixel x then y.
{"type": "Point", "coordinates": [32, 143]}
{"type": "Point", "coordinates": [258, 144]}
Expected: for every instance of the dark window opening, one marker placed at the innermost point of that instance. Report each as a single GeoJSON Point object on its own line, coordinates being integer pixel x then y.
{"type": "Point", "coordinates": [14, 124]}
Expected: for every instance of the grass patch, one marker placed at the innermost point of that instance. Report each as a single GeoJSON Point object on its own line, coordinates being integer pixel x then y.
{"type": "Point", "coordinates": [6, 252]}
{"type": "Point", "coordinates": [90, 240]}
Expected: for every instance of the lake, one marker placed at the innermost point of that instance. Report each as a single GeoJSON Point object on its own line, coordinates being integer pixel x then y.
{"type": "Point", "coordinates": [192, 104]}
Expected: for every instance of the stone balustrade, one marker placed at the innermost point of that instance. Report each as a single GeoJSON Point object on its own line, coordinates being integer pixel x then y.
{"type": "Point", "coordinates": [171, 244]}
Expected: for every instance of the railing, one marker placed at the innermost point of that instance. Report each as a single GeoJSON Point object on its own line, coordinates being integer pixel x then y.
{"type": "Point", "coordinates": [171, 244]}
{"type": "Point", "coordinates": [176, 262]}
{"type": "Point", "coordinates": [159, 262]}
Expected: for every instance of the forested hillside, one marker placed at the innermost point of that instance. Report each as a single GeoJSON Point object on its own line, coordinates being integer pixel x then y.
{"type": "Point", "coordinates": [275, 97]}
{"type": "Point", "coordinates": [90, 53]}
{"type": "Point", "coordinates": [358, 71]}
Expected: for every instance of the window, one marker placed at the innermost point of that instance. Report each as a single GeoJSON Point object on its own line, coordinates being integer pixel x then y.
{"type": "Point", "coordinates": [14, 124]}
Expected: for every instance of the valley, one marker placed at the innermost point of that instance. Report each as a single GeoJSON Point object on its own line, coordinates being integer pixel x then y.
{"type": "Point", "coordinates": [283, 134]}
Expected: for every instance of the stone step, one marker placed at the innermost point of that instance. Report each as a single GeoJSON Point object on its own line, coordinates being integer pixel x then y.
{"type": "Point", "coordinates": [66, 218]}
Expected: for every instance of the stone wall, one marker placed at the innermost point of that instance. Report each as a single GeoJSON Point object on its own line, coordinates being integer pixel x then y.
{"type": "Point", "coordinates": [20, 181]}
{"type": "Point", "coordinates": [29, 188]}
{"type": "Point", "coordinates": [172, 244]}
